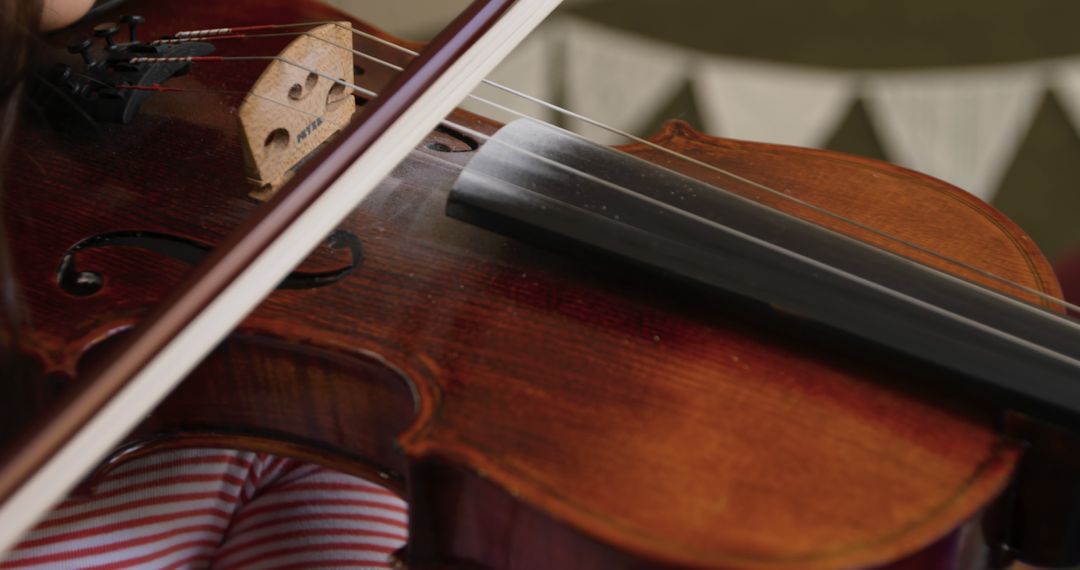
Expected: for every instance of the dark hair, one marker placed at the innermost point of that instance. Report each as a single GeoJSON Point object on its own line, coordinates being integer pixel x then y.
{"type": "Point", "coordinates": [19, 20]}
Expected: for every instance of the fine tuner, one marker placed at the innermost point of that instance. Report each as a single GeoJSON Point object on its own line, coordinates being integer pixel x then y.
{"type": "Point", "coordinates": [292, 108]}
{"type": "Point", "coordinates": [95, 84]}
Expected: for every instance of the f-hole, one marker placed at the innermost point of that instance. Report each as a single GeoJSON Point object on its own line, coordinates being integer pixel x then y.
{"type": "Point", "coordinates": [83, 283]}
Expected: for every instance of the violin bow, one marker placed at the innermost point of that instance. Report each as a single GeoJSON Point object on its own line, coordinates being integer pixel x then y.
{"type": "Point", "coordinates": [240, 273]}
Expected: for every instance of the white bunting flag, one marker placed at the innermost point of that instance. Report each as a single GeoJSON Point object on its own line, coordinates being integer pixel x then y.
{"type": "Point", "coordinates": [961, 125]}
{"type": "Point", "coordinates": [771, 102]}
{"type": "Point", "coordinates": [619, 79]}
{"type": "Point", "coordinates": [1065, 82]}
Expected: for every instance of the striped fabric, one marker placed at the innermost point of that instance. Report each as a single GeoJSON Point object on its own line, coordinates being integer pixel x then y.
{"type": "Point", "coordinates": [219, 509]}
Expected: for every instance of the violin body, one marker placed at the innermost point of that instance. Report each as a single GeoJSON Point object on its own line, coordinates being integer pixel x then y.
{"type": "Point", "coordinates": [536, 409]}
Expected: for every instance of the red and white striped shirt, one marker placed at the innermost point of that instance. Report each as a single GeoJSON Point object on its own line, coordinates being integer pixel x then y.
{"type": "Point", "coordinates": [219, 509]}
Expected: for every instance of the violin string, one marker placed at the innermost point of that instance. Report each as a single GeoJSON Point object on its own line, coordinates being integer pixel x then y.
{"type": "Point", "coordinates": [245, 36]}
{"type": "Point", "coordinates": [573, 171]}
{"type": "Point", "coordinates": [158, 88]}
{"type": "Point", "coordinates": [67, 98]}
{"type": "Point", "coordinates": [241, 33]}
{"type": "Point", "coordinates": [719, 170]}
{"type": "Point", "coordinates": [222, 33]}
{"type": "Point", "coordinates": [197, 34]}
{"type": "Point", "coordinates": [488, 139]}
{"type": "Point", "coordinates": [825, 267]}
{"type": "Point", "coordinates": [1021, 304]}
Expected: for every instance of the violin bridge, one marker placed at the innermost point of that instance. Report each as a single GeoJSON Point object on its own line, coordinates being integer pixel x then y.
{"type": "Point", "coordinates": [298, 103]}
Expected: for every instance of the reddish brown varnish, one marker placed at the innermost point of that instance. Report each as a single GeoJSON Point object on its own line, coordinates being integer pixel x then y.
{"type": "Point", "coordinates": [538, 410]}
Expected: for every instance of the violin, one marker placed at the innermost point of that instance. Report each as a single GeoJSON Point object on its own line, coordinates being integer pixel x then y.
{"type": "Point", "coordinates": [549, 378]}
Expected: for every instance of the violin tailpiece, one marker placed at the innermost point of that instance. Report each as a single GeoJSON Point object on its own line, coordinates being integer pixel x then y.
{"type": "Point", "coordinates": [295, 106]}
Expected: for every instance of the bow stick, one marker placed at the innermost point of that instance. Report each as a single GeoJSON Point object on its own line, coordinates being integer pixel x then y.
{"type": "Point", "coordinates": [241, 272]}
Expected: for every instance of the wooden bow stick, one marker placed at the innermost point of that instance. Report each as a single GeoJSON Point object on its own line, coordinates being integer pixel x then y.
{"type": "Point", "coordinates": [241, 272]}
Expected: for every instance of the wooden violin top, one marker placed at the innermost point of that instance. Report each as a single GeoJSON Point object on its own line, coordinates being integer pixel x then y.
{"type": "Point", "coordinates": [554, 410]}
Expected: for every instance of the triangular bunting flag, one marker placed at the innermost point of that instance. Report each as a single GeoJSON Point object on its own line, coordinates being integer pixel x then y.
{"type": "Point", "coordinates": [527, 70]}
{"type": "Point", "coordinates": [1065, 81]}
{"type": "Point", "coordinates": [618, 79]}
{"type": "Point", "coordinates": [961, 125]}
{"type": "Point", "coordinates": [770, 102]}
